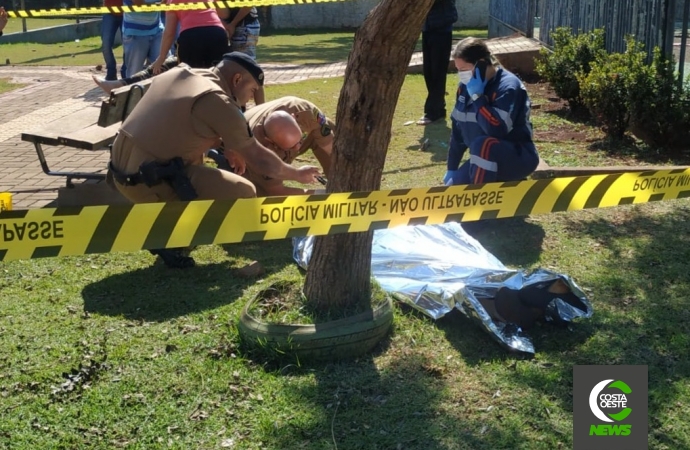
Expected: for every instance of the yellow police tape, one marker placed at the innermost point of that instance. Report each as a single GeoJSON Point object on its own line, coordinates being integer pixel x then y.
{"type": "Point", "coordinates": [47, 232]}
{"type": "Point", "coordinates": [158, 7]}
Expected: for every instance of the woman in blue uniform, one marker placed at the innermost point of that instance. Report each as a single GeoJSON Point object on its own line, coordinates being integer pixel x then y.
{"type": "Point", "coordinates": [491, 118]}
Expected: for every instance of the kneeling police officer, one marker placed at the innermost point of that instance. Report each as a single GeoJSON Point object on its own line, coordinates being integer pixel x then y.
{"type": "Point", "coordinates": [158, 153]}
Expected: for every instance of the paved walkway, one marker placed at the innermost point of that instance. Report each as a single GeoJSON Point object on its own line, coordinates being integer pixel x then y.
{"type": "Point", "coordinates": [55, 92]}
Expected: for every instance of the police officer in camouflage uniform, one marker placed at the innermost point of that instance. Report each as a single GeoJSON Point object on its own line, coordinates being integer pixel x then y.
{"type": "Point", "coordinates": [290, 126]}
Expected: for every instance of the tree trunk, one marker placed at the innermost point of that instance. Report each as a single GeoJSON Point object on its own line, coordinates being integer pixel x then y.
{"type": "Point", "coordinates": [339, 273]}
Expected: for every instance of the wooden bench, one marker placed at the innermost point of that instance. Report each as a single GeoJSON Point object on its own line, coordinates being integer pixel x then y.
{"type": "Point", "coordinates": [88, 129]}
{"type": "Point", "coordinates": [92, 129]}
{"type": "Point", "coordinates": [121, 102]}
{"type": "Point", "coordinates": [78, 130]}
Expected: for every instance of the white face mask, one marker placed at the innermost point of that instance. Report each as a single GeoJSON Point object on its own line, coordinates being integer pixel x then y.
{"type": "Point", "coordinates": [465, 76]}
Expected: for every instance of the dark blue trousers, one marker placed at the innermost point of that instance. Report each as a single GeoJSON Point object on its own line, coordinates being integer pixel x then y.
{"type": "Point", "coordinates": [493, 159]}
{"type": "Point", "coordinates": [436, 46]}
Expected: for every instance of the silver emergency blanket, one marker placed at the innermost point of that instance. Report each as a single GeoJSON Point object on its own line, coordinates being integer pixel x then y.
{"type": "Point", "coordinates": [438, 268]}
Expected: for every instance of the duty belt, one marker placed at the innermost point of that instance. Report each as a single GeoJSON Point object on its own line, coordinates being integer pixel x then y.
{"type": "Point", "coordinates": [154, 173]}
{"type": "Point", "coordinates": [123, 178]}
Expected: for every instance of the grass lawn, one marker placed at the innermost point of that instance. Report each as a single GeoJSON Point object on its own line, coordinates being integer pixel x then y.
{"type": "Point", "coordinates": [6, 85]}
{"type": "Point", "coordinates": [286, 47]}
{"type": "Point", "coordinates": [320, 46]}
{"type": "Point", "coordinates": [114, 351]}
{"type": "Point", "coordinates": [15, 25]}
{"type": "Point", "coordinates": [86, 52]}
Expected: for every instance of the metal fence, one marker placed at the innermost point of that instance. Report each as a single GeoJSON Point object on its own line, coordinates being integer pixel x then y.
{"type": "Point", "coordinates": [510, 16]}
{"type": "Point", "coordinates": [680, 39]}
{"type": "Point", "coordinates": [650, 21]}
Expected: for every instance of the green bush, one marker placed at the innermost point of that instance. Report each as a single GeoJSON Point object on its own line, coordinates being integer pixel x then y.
{"type": "Point", "coordinates": [660, 114]}
{"type": "Point", "coordinates": [620, 90]}
{"type": "Point", "coordinates": [611, 90]}
{"type": "Point", "coordinates": [571, 55]}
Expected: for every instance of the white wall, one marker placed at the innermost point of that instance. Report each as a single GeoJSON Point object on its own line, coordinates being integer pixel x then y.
{"type": "Point", "coordinates": [351, 13]}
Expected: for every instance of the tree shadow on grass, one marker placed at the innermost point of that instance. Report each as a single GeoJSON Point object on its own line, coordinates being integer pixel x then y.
{"type": "Point", "coordinates": [93, 51]}
{"type": "Point", "coordinates": [515, 241]}
{"type": "Point", "coordinates": [646, 287]}
{"type": "Point", "coordinates": [272, 255]}
{"type": "Point", "coordinates": [322, 52]}
{"type": "Point", "coordinates": [392, 399]}
{"type": "Point", "coordinates": [641, 317]}
{"type": "Point", "coordinates": [409, 169]}
{"type": "Point", "coordinates": [434, 139]}
{"type": "Point", "coordinates": [158, 293]}
{"type": "Point", "coordinates": [363, 404]}
{"type": "Point", "coordinates": [630, 147]}
{"type": "Point", "coordinates": [627, 146]}
{"type": "Point", "coordinates": [579, 116]}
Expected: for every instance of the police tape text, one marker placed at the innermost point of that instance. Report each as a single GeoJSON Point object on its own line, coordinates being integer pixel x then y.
{"type": "Point", "coordinates": [653, 183]}
{"type": "Point", "coordinates": [446, 201]}
{"type": "Point", "coordinates": [32, 230]}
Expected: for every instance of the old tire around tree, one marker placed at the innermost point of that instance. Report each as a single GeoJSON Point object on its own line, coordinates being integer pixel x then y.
{"type": "Point", "coordinates": [345, 338]}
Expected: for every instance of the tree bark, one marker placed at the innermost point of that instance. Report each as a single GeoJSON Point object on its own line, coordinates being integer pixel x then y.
{"type": "Point", "coordinates": [339, 273]}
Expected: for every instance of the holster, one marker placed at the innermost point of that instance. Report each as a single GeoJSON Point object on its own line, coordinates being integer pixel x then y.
{"type": "Point", "coordinates": [154, 173]}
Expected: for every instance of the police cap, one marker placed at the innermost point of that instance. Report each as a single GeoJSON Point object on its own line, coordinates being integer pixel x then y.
{"type": "Point", "coordinates": [248, 64]}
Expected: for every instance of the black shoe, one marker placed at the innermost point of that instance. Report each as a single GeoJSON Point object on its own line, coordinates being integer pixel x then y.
{"type": "Point", "coordinates": [174, 258]}
{"type": "Point", "coordinates": [428, 120]}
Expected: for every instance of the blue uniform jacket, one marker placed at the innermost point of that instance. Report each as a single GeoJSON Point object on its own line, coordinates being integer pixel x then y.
{"type": "Point", "coordinates": [503, 112]}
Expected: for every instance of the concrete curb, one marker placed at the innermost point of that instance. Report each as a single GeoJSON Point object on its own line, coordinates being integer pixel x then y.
{"type": "Point", "coordinates": [57, 34]}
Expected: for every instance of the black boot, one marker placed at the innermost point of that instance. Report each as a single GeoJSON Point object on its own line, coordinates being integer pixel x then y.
{"type": "Point", "coordinates": [175, 258]}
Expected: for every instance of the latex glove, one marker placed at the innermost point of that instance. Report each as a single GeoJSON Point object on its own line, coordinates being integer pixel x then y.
{"type": "Point", "coordinates": [476, 85]}
{"type": "Point", "coordinates": [448, 178]}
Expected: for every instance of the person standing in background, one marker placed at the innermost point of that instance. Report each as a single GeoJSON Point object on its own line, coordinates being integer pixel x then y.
{"type": "Point", "coordinates": [202, 41]}
{"type": "Point", "coordinates": [244, 28]}
{"type": "Point", "coordinates": [142, 33]}
{"type": "Point", "coordinates": [111, 23]}
{"type": "Point", "coordinates": [3, 19]}
{"type": "Point", "coordinates": [437, 40]}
